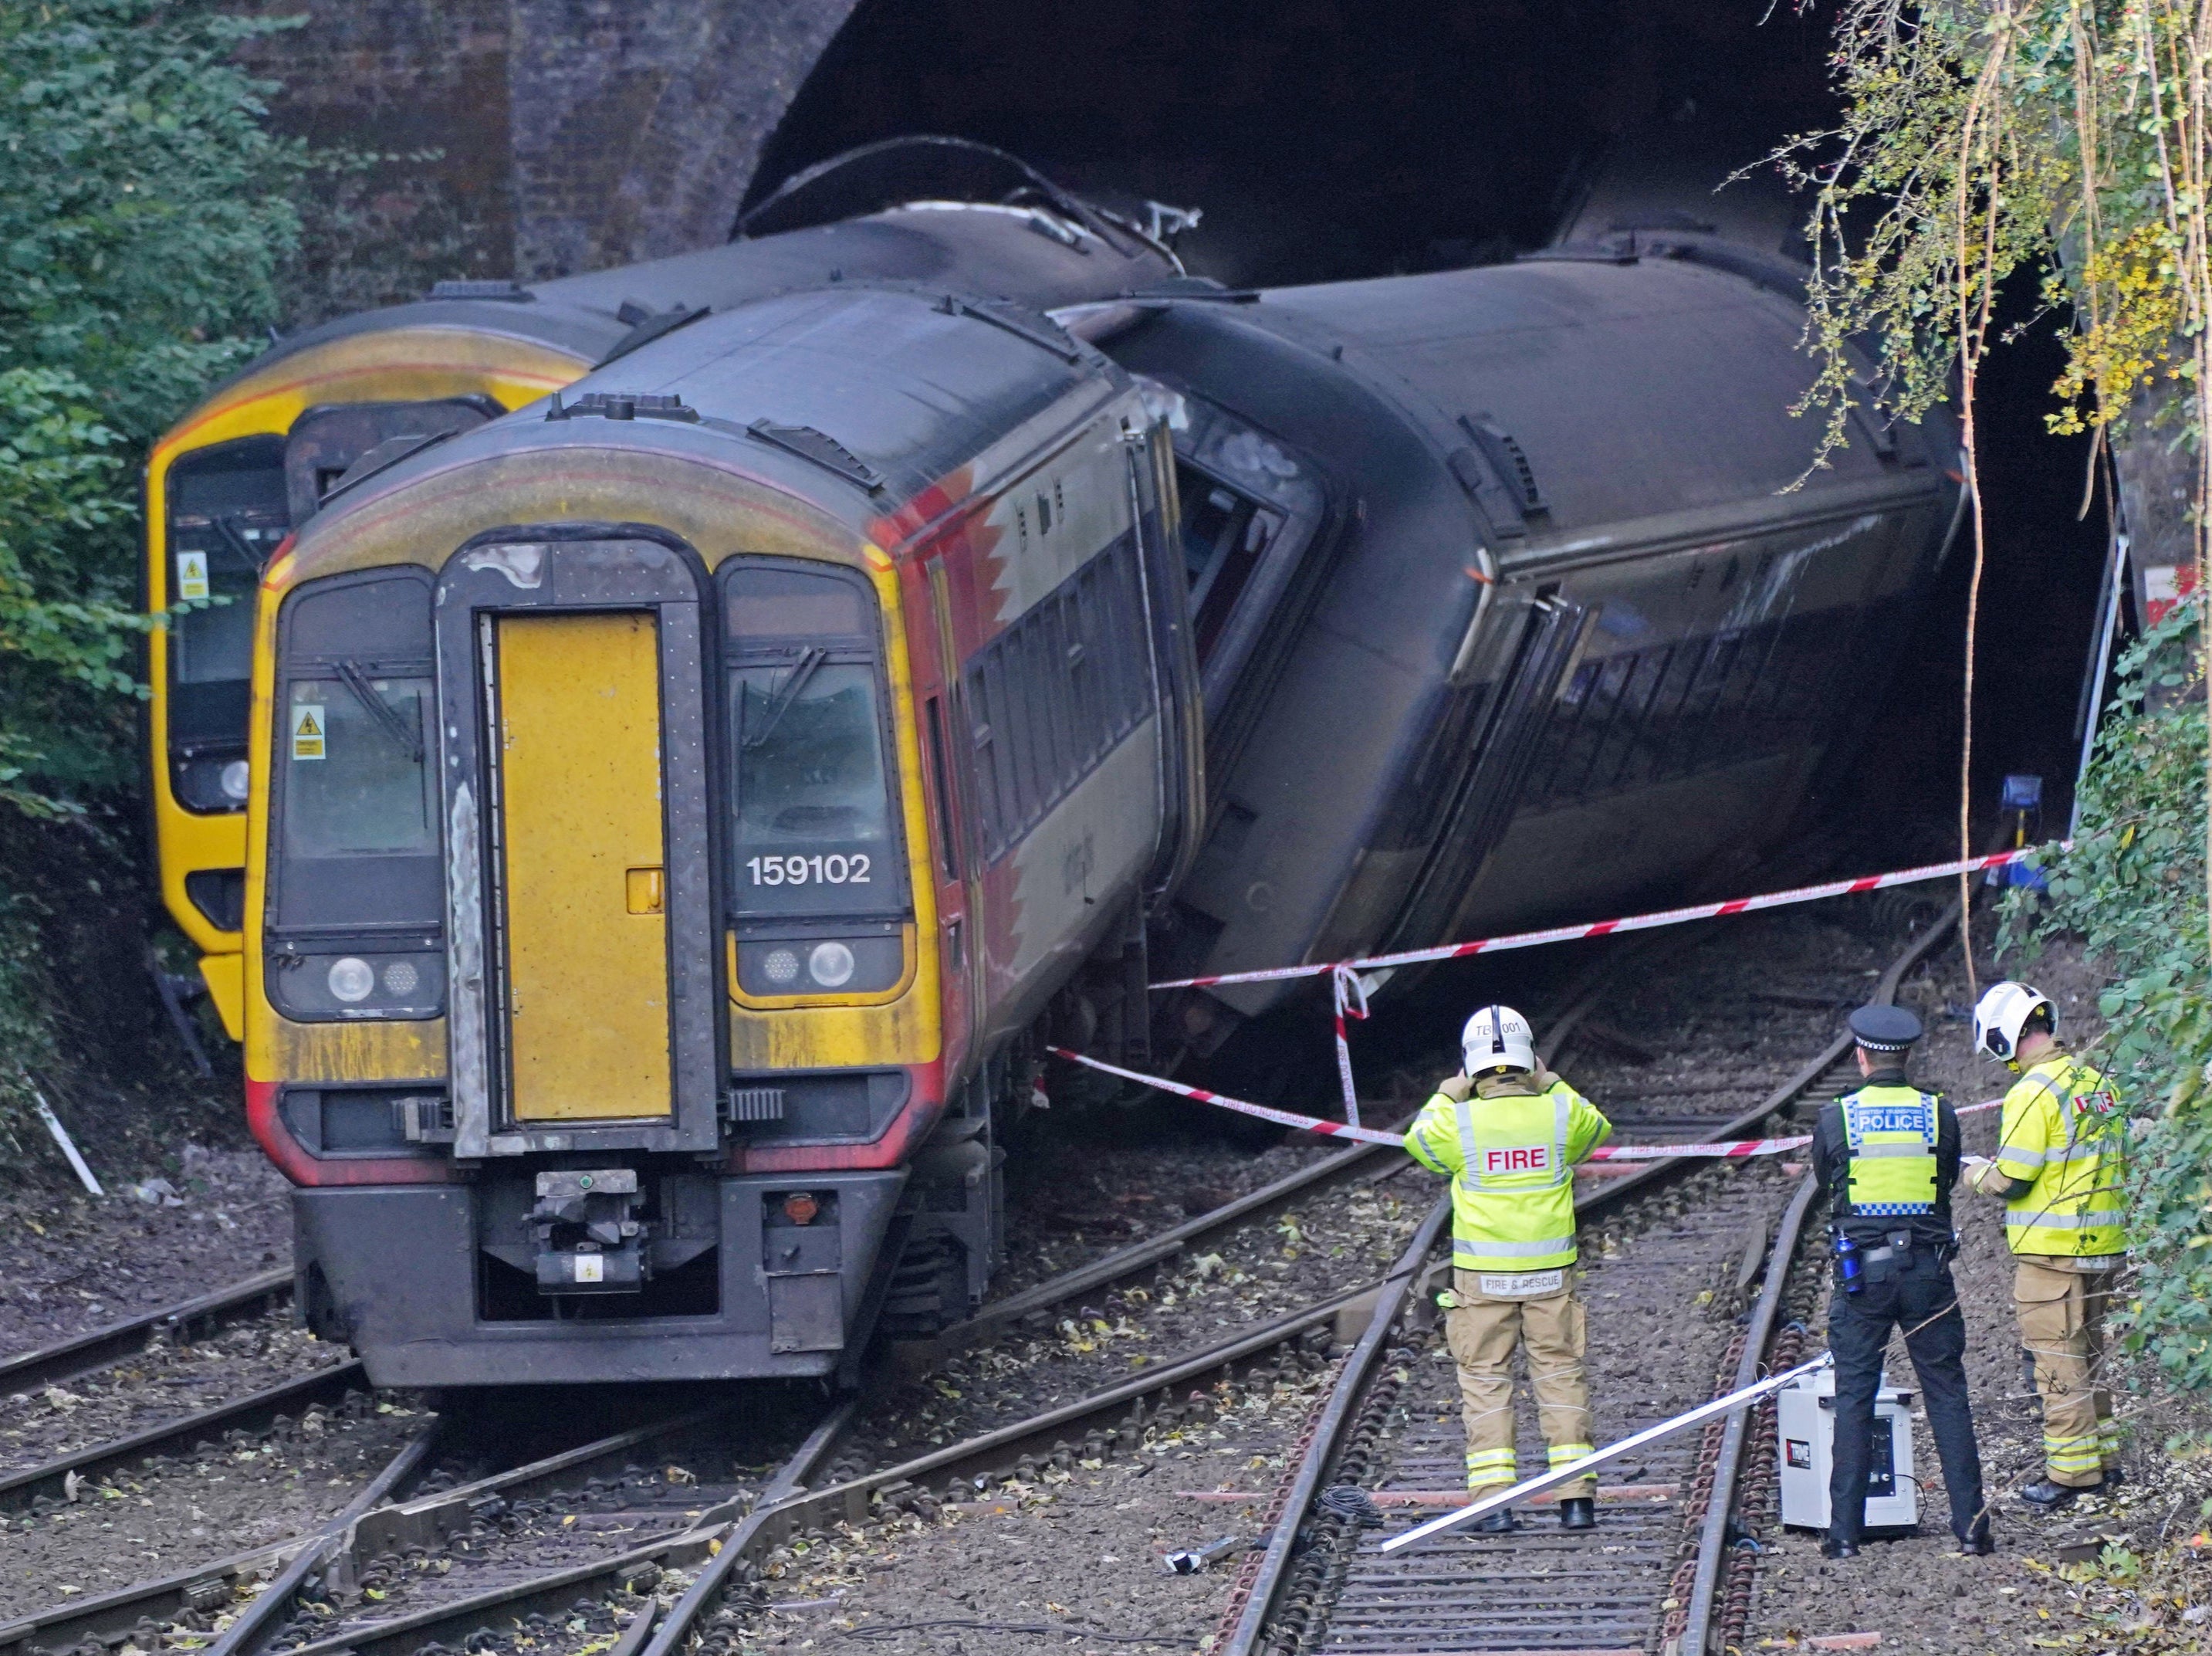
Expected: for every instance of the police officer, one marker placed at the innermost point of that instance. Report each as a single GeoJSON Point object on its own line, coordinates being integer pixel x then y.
{"type": "Point", "coordinates": [1508, 1132]}
{"type": "Point", "coordinates": [2062, 1169]}
{"type": "Point", "coordinates": [1886, 1157]}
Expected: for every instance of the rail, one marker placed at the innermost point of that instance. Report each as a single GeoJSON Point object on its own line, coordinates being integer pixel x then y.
{"type": "Point", "coordinates": [1341, 1409]}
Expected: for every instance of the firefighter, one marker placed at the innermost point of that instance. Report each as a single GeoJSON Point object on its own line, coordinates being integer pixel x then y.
{"type": "Point", "coordinates": [1507, 1132]}
{"type": "Point", "coordinates": [1886, 1157]}
{"type": "Point", "coordinates": [2061, 1168]}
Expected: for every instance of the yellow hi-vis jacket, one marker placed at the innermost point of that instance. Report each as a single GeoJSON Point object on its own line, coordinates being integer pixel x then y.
{"type": "Point", "coordinates": [2064, 1129]}
{"type": "Point", "coordinates": [1510, 1156]}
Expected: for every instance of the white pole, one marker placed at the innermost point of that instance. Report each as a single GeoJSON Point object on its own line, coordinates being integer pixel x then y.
{"type": "Point", "coordinates": [1589, 1462]}
{"type": "Point", "coordinates": [68, 1145]}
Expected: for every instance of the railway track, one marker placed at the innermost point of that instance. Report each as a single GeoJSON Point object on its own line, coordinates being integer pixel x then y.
{"type": "Point", "coordinates": [1388, 1428]}
{"type": "Point", "coordinates": [441, 1566]}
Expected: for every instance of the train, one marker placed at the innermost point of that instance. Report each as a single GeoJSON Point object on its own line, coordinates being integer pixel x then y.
{"type": "Point", "coordinates": [259, 456]}
{"type": "Point", "coordinates": [681, 809]}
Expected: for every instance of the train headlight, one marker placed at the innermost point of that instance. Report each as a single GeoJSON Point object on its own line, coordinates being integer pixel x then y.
{"type": "Point", "coordinates": [315, 987]}
{"type": "Point", "coordinates": [778, 968]}
{"type": "Point", "coordinates": [234, 777]}
{"type": "Point", "coordinates": [830, 964]}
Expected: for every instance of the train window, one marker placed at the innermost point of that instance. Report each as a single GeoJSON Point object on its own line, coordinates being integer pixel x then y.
{"type": "Point", "coordinates": [226, 515]}
{"type": "Point", "coordinates": [356, 783]}
{"type": "Point", "coordinates": [763, 601]}
{"type": "Point", "coordinates": [1225, 536]}
{"type": "Point", "coordinates": [1054, 693]}
{"type": "Point", "coordinates": [812, 798]}
{"type": "Point", "coordinates": [355, 825]}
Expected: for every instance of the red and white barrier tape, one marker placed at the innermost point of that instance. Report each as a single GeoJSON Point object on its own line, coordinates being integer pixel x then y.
{"type": "Point", "coordinates": [1349, 993]}
{"type": "Point", "coordinates": [1729, 1149]}
{"type": "Point", "coordinates": [1607, 927]}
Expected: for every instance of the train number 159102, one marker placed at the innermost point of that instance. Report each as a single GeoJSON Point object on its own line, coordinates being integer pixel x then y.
{"type": "Point", "coordinates": [834, 870]}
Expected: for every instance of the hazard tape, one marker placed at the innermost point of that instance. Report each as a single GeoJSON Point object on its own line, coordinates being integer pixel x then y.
{"type": "Point", "coordinates": [1721, 1149]}
{"type": "Point", "coordinates": [1608, 927]}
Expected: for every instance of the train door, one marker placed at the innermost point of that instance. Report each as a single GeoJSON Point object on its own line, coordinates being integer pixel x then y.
{"type": "Point", "coordinates": [583, 853]}
{"type": "Point", "coordinates": [573, 685]}
{"type": "Point", "coordinates": [959, 903]}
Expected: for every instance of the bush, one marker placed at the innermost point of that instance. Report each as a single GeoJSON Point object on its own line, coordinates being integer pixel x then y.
{"type": "Point", "coordinates": [145, 213]}
{"type": "Point", "coordinates": [2133, 886]}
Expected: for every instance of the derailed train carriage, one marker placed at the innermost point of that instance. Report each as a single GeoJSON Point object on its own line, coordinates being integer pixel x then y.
{"type": "Point", "coordinates": [680, 798]}
{"type": "Point", "coordinates": [1506, 608]}
{"type": "Point", "coordinates": [258, 457]}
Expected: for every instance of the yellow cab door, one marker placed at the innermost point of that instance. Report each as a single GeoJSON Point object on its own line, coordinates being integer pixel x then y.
{"type": "Point", "coordinates": [583, 849]}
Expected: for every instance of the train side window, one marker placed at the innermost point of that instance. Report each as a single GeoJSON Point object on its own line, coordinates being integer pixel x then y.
{"type": "Point", "coordinates": [1055, 692]}
{"type": "Point", "coordinates": [941, 777]}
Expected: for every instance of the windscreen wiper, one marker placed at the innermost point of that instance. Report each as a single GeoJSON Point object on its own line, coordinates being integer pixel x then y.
{"type": "Point", "coordinates": [787, 692]}
{"type": "Point", "coordinates": [387, 718]}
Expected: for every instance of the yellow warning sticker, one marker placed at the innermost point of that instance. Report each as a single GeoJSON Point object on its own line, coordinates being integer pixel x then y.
{"type": "Point", "coordinates": [309, 726]}
{"type": "Point", "coordinates": [192, 576]}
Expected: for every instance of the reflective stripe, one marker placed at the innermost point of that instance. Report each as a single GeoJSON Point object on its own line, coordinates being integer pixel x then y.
{"type": "Point", "coordinates": [2099, 1220]}
{"type": "Point", "coordinates": [1560, 1454]}
{"type": "Point", "coordinates": [2019, 1158]}
{"type": "Point", "coordinates": [1562, 1111]}
{"type": "Point", "coordinates": [1912, 1149]}
{"type": "Point", "coordinates": [1470, 1163]}
{"type": "Point", "coordinates": [1463, 1249]}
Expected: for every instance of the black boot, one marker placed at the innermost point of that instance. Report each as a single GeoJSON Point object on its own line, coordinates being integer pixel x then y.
{"type": "Point", "coordinates": [1836, 1546]}
{"type": "Point", "coordinates": [2050, 1497]}
{"type": "Point", "coordinates": [1578, 1513]}
{"type": "Point", "coordinates": [1501, 1522]}
{"type": "Point", "coordinates": [1979, 1545]}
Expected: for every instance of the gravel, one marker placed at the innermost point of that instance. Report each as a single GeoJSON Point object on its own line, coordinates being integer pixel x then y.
{"type": "Point", "coordinates": [78, 1264]}
{"type": "Point", "coordinates": [163, 1516]}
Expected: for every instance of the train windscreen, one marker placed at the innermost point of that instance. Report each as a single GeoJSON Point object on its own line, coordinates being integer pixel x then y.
{"type": "Point", "coordinates": [816, 836]}
{"type": "Point", "coordinates": [226, 515]}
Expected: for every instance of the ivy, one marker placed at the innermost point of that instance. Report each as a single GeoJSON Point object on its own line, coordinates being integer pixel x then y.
{"type": "Point", "coordinates": [2132, 886]}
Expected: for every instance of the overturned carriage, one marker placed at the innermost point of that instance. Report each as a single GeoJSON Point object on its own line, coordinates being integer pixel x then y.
{"type": "Point", "coordinates": [1518, 595]}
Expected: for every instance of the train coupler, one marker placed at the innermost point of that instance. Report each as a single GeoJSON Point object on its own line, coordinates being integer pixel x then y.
{"type": "Point", "coordinates": [589, 1238]}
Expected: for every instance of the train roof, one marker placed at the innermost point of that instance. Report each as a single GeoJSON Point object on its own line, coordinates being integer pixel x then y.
{"type": "Point", "coordinates": [855, 397]}
{"type": "Point", "coordinates": [964, 216]}
{"type": "Point", "coordinates": [1600, 386]}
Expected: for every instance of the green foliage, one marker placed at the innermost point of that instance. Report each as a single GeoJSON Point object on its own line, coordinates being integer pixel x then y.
{"type": "Point", "coordinates": [2133, 886]}
{"type": "Point", "coordinates": [145, 215]}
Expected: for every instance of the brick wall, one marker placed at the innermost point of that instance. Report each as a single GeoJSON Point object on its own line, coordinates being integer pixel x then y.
{"type": "Point", "coordinates": [571, 134]}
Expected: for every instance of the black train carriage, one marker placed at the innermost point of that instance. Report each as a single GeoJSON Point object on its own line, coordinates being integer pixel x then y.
{"type": "Point", "coordinates": [637, 942]}
{"type": "Point", "coordinates": [1511, 557]}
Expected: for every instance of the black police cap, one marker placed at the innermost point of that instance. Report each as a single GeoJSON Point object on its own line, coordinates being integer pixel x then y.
{"type": "Point", "coordinates": [1885, 1029]}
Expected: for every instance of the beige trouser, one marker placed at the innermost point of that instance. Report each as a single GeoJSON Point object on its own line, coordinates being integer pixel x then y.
{"type": "Point", "coordinates": [2061, 1323]}
{"type": "Point", "coordinates": [1482, 1333]}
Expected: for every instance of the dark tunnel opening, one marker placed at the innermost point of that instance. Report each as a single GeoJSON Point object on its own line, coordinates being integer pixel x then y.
{"type": "Point", "coordinates": [1324, 140]}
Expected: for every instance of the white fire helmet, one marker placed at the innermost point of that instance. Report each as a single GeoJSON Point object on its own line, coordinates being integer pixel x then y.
{"type": "Point", "coordinates": [1497, 1037]}
{"type": "Point", "coordinates": [2003, 1012]}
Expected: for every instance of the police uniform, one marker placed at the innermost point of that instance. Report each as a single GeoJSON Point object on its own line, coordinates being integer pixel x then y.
{"type": "Point", "coordinates": [1886, 1157]}
{"type": "Point", "coordinates": [1510, 1151]}
{"type": "Point", "coordinates": [2061, 1165]}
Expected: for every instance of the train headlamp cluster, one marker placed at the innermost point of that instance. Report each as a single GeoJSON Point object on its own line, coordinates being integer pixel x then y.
{"type": "Point", "coordinates": [857, 965]}
{"type": "Point", "coordinates": [320, 987]}
{"type": "Point", "coordinates": [211, 783]}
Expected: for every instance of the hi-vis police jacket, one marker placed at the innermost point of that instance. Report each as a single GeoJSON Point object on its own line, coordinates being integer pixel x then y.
{"type": "Point", "coordinates": [1510, 1158]}
{"type": "Point", "coordinates": [2065, 1136]}
{"type": "Point", "coordinates": [1886, 1157]}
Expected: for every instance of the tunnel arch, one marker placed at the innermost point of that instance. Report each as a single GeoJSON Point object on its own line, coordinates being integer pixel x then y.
{"type": "Point", "coordinates": [1322, 139]}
